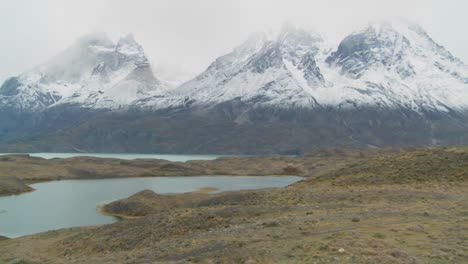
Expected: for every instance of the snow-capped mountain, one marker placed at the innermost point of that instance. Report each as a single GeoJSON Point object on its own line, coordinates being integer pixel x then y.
{"type": "Point", "coordinates": [397, 64]}
{"type": "Point", "coordinates": [275, 69]}
{"type": "Point", "coordinates": [289, 91]}
{"type": "Point", "coordinates": [388, 64]}
{"type": "Point", "coordinates": [94, 72]}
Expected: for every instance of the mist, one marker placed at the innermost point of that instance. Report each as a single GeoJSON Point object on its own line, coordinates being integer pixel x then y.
{"type": "Point", "coordinates": [182, 37]}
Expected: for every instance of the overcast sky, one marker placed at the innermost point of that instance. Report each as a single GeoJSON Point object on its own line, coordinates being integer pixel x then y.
{"type": "Point", "coordinates": [190, 34]}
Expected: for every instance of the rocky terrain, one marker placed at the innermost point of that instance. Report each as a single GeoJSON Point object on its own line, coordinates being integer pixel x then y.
{"type": "Point", "coordinates": [386, 207]}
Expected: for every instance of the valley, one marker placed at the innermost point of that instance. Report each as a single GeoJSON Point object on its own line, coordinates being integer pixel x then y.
{"type": "Point", "coordinates": [392, 206]}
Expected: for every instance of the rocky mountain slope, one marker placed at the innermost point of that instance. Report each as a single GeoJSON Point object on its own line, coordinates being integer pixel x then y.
{"type": "Point", "coordinates": [284, 92]}
{"type": "Point", "coordinates": [93, 72]}
{"type": "Point", "coordinates": [262, 71]}
{"type": "Point", "coordinates": [388, 64]}
{"type": "Point", "coordinates": [399, 65]}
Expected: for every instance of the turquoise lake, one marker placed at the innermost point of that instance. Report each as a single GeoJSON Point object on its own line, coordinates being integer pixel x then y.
{"type": "Point", "coordinates": [124, 156]}
{"type": "Point", "coordinates": [70, 203]}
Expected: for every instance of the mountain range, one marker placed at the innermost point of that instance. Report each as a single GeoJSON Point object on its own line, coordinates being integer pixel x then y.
{"type": "Point", "coordinates": [289, 91]}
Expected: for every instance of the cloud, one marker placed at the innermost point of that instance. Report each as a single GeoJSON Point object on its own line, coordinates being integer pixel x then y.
{"type": "Point", "coordinates": [193, 33]}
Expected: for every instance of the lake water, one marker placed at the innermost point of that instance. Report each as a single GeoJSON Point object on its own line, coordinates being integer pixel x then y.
{"type": "Point", "coordinates": [69, 203]}
{"type": "Point", "coordinates": [124, 156]}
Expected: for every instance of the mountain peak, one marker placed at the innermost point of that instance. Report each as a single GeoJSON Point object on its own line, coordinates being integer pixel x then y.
{"type": "Point", "coordinates": [399, 46]}
{"type": "Point", "coordinates": [397, 24]}
{"type": "Point", "coordinates": [382, 44]}
{"type": "Point", "coordinates": [130, 47]}
{"type": "Point", "coordinates": [95, 39]}
{"type": "Point", "coordinates": [290, 31]}
{"type": "Point", "coordinates": [93, 72]}
{"type": "Point", "coordinates": [129, 39]}
{"type": "Point", "coordinates": [392, 63]}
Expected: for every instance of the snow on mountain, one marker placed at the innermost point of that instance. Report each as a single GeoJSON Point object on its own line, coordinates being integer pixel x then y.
{"type": "Point", "coordinates": [262, 71]}
{"type": "Point", "coordinates": [93, 72]}
{"type": "Point", "coordinates": [392, 64]}
{"type": "Point", "coordinates": [397, 64]}
{"type": "Point", "coordinates": [388, 64]}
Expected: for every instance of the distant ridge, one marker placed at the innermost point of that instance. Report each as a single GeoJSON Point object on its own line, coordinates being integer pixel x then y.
{"type": "Point", "coordinates": [290, 91]}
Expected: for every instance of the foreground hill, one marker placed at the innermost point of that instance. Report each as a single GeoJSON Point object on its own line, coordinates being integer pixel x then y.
{"type": "Point", "coordinates": [363, 212]}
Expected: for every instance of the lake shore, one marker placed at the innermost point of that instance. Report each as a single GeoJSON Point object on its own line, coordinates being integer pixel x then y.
{"type": "Point", "coordinates": [13, 185]}
{"type": "Point", "coordinates": [29, 169]}
{"type": "Point", "coordinates": [407, 207]}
